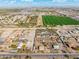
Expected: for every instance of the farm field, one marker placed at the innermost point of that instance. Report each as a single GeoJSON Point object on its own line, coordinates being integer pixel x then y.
{"type": "Point", "coordinates": [58, 20]}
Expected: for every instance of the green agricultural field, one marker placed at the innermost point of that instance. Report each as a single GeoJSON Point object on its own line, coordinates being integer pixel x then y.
{"type": "Point", "coordinates": [58, 20]}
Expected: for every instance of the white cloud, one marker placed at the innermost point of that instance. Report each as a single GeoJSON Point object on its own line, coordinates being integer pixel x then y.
{"type": "Point", "coordinates": [59, 0]}
{"type": "Point", "coordinates": [27, 0]}
{"type": "Point", "coordinates": [14, 1]}
{"type": "Point", "coordinates": [9, 1]}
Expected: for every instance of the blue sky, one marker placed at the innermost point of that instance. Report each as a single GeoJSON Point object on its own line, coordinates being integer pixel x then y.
{"type": "Point", "coordinates": [38, 3]}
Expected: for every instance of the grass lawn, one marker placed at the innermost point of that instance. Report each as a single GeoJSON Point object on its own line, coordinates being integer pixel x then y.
{"type": "Point", "coordinates": [58, 20]}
